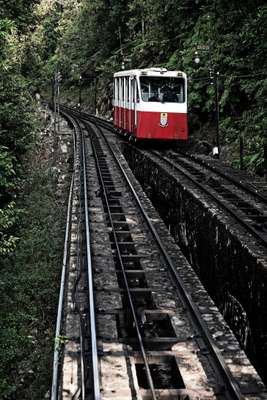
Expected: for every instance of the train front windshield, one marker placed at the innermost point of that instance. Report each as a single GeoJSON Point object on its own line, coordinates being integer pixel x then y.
{"type": "Point", "coordinates": [163, 89]}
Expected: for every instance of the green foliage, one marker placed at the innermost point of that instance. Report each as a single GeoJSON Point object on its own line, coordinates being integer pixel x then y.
{"type": "Point", "coordinates": [16, 119]}
{"type": "Point", "coordinates": [92, 37]}
{"type": "Point", "coordinates": [28, 287]}
{"type": "Point", "coordinates": [8, 218]}
{"type": "Point", "coordinates": [6, 169]}
{"type": "Point", "coordinates": [15, 103]}
{"type": "Point", "coordinates": [29, 244]}
{"type": "Point", "coordinates": [168, 34]}
{"type": "Point", "coordinates": [60, 341]}
{"type": "Point", "coordinates": [38, 37]}
{"type": "Point", "coordinates": [19, 11]}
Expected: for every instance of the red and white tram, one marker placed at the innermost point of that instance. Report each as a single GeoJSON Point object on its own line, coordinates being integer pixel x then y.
{"type": "Point", "coordinates": [151, 104]}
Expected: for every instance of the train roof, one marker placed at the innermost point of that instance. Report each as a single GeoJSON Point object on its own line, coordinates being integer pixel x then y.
{"type": "Point", "coordinates": [150, 72]}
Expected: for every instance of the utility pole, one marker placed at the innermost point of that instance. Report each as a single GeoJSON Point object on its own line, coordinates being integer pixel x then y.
{"type": "Point", "coordinates": [214, 77]}
{"type": "Point", "coordinates": [265, 159]}
{"type": "Point", "coordinates": [58, 121]}
{"type": "Point", "coordinates": [217, 112]}
{"type": "Point", "coordinates": [80, 91]}
{"type": "Point", "coordinates": [57, 79]}
{"type": "Point", "coordinates": [143, 29]}
{"type": "Point", "coordinates": [241, 150]}
{"type": "Point", "coordinates": [96, 95]}
{"type": "Point", "coordinates": [55, 103]}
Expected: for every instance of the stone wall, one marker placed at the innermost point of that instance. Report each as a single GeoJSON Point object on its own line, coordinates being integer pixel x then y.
{"type": "Point", "coordinates": [231, 266]}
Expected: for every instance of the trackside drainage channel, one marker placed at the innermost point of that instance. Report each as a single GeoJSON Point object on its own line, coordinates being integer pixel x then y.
{"type": "Point", "coordinates": [165, 373]}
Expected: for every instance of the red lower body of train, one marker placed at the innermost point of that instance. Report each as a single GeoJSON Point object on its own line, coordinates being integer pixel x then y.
{"type": "Point", "coordinates": [151, 125]}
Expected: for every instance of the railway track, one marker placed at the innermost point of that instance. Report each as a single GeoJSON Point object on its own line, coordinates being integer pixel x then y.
{"type": "Point", "coordinates": [246, 206]}
{"type": "Point", "coordinates": [137, 322]}
{"type": "Point", "coordinates": [76, 313]}
{"type": "Point", "coordinates": [253, 185]}
{"type": "Point", "coordinates": [244, 200]}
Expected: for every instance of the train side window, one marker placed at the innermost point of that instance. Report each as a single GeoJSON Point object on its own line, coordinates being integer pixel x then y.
{"type": "Point", "coordinates": [137, 91]}
{"type": "Point", "coordinates": [128, 88]}
{"type": "Point", "coordinates": [121, 89]}
{"type": "Point", "coordinates": [132, 90]}
{"type": "Point", "coordinates": [115, 90]}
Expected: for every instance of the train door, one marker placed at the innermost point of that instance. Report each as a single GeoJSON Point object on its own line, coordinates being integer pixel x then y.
{"type": "Point", "coordinates": [136, 99]}
{"type": "Point", "coordinates": [127, 103]}
{"type": "Point", "coordinates": [115, 103]}
{"type": "Point", "coordinates": [124, 104]}
{"type": "Point", "coordinates": [130, 103]}
{"type": "Point", "coordinates": [133, 108]}
{"type": "Point", "coordinates": [119, 103]}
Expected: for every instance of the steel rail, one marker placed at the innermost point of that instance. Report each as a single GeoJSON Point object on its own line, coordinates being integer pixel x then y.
{"type": "Point", "coordinates": [57, 349]}
{"type": "Point", "coordinates": [139, 336]}
{"type": "Point", "coordinates": [246, 225]}
{"type": "Point", "coordinates": [224, 175]}
{"type": "Point", "coordinates": [149, 377]}
{"type": "Point", "coordinates": [108, 125]}
{"type": "Point", "coordinates": [254, 192]}
{"type": "Point", "coordinates": [239, 183]}
{"type": "Point", "coordinates": [201, 186]}
{"type": "Point", "coordinates": [94, 355]}
{"type": "Point", "coordinates": [81, 392]}
{"type": "Point", "coordinates": [196, 318]}
{"type": "Point", "coordinates": [82, 343]}
{"type": "Point", "coordinates": [233, 390]}
{"type": "Point", "coordinates": [247, 187]}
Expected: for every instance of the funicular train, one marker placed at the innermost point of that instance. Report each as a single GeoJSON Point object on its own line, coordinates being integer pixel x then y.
{"type": "Point", "coordinates": [151, 104]}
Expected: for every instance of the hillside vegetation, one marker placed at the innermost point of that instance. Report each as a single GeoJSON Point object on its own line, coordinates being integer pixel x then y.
{"type": "Point", "coordinates": [30, 230]}
{"type": "Point", "coordinates": [93, 39]}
